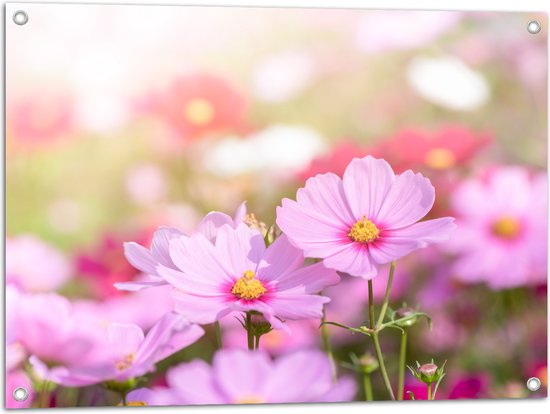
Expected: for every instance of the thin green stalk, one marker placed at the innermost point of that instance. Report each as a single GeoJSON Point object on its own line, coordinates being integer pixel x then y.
{"type": "Point", "coordinates": [44, 397]}
{"type": "Point", "coordinates": [327, 347]}
{"type": "Point", "coordinates": [249, 332]}
{"type": "Point", "coordinates": [371, 305]}
{"type": "Point", "coordinates": [367, 386]}
{"type": "Point", "coordinates": [218, 331]}
{"type": "Point", "coordinates": [257, 344]}
{"type": "Point", "coordinates": [402, 364]}
{"type": "Point", "coordinates": [123, 394]}
{"type": "Point", "coordinates": [386, 296]}
{"type": "Point", "coordinates": [429, 391]}
{"type": "Point", "coordinates": [383, 371]}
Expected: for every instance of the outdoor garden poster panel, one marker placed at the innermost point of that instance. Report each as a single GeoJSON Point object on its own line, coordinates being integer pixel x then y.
{"type": "Point", "coordinates": [211, 205]}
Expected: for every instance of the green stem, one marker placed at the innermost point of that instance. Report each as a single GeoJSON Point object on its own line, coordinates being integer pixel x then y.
{"type": "Point", "coordinates": [327, 347]}
{"type": "Point", "coordinates": [383, 371]}
{"type": "Point", "coordinates": [123, 394]}
{"type": "Point", "coordinates": [386, 296]}
{"type": "Point", "coordinates": [371, 305]}
{"type": "Point", "coordinates": [257, 344]}
{"type": "Point", "coordinates": [429, 391]}
{"type": "Point", "coordinates": [367, 385]}
{"type": "Point", "coordinates": [44, 397]}
{"type": "Point", "coordinates": [402, 364]}
{"type": "Point", "coordinates": [218, 331]}
{"type": "Point", "coordinates": [249, 332]}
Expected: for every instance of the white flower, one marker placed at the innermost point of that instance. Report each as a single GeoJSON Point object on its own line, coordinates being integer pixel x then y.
{"type": "Point", "coordinates": [279, 149]}
{"type": "Point", "coordinates": [449, 82]}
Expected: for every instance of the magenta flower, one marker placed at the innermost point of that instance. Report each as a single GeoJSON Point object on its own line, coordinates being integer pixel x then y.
{"type": "Point", "coordinates": [147, 260]}
{"type": "Point", "coordinates": [243, 377]}
{"type": "Point", "coordinates": [125, 352]}
{"type": "Point", "coordinates": [238, 273]}
{"type": "Point", "coordinates": [501, 239]}
{"type": "Point", "coordinates": [367, 219]}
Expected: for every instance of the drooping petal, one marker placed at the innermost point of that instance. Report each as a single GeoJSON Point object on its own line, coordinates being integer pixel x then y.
{"type": "Point", "coordinates": [325, 195]}
{"type": "Point", "coordinates": [161, 244]}
{"type": "Point", "coordinates": [354, 259]}
{"type": "Point", "coordinates": [312, 279]}
{"type": "Point", "coordinates": [246, 381]}
{"type": "Point", "coordinates": [280, 258]}
{"type": "Point", "coordinates": [194, 383]}
{"type": "Point", "coordinates": [367, 182]}
{"type": "Point", "coordinates": [200, 309]}
{"type": "Point", "coordinates": [410, 198]}
{"type": "Point", "coordinates": [294, 305]}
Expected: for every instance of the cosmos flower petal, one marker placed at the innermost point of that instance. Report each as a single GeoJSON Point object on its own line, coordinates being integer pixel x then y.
{"type": "Point", "coordinates": [137, 285]}
{"type": "Point", "coordinates": [199, 309]}
{"type": "Point", "coordinates": [410, 198]}
{"type": "Point", "coordinates": [343, 390]}
{"type": "Point", "coordinates": [280, 258]}
{"type": "Point", "coordinates": [302, 376]}
{"type": "Point", "coordinates": [312, 279]}
{"type": "Point", "coordinates": [297, 306]}
{"type": "Point", "coordinates": [242, 247]}
{"type": "Point", "coordinates": [161, 243]}
{"type": "Point", "coordinates": [125, 338]}
{"type": "Point", "coordinates": [200, 260]}
{"type": "Point", "coordinates": [194, 383]}
{"type": "Point", "coordinates": [170, 334]}
{"type": "Point", "coordinates": [188, 282]}
{"type": "Point", "coordinates": [354, 259]}
{"type": "Point", "coordinates": [308, 230]}
{"type": "Point", "coordinates": [367, 181]}
{"type": "Point", "coordinates": [253, 369]}
{"type": "Point", "coordinates": [140, 257]}
{"type": "Point", "coordinates": [211, 223]}
{"type": "Point", "coordinates": [240, 213]}
{"type": "Point", "coordinates": [325, 195]}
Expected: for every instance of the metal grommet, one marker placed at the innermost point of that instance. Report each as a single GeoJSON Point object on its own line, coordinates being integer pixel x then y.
{"type": "Point", "coordinates": [20, 17]}
{"type": "Point", "coordinates": [534, 27]}
{"type": "Point", "coordinates": [20, 394]}
{"type": "Point", "coordinates": [533, 384]}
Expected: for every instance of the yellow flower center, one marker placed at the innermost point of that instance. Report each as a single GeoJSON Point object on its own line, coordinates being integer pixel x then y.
{"type": "Point", "coordinates": [364, 231]}
{"type": "Point", "coordinates": [250, 400]}
{"type": "Point", "coordinates": [125, 362]}
{"type": "Point", "coordinates": [199, 111]}
{"type": "Point", "coordinates": [137, 404]}
{"type": "Point", "coordinates": [248, 287]}
{"type": "Point", "coordinates": [507, 227]}
{"type": "Point", "coordinates": [440, 159]}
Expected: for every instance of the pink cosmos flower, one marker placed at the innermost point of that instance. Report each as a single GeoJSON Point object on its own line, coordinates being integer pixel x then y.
{"type": "Point", "coordinates": [34, 265]}
{"type": "Point", "coordinates": [501, 237]}
{"type": "Point", "coordinates": [147, 260]}
{"type": "Point", "coordinates": [367, 219]}
{"type": "Point", "coordinates": [238, 273]}
{"type": "Point", "coordinates": [125, 352]}
{"type": "Point", "coordinates": [243, 377]}
{"type": "Point", "coordinates": [200, 104]}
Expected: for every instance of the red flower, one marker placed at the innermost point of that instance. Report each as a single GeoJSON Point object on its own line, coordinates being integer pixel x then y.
{"type": "Point", "coordinates": [200, 104]}
{"type": "Point", "coordinates": [106, 265]}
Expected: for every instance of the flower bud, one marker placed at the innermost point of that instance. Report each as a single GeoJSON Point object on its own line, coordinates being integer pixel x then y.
{"type": "Point", "coordinates": [408, 313]}
{"type": "Point", "coordinates": [368, 363]}
{"type": "Point", "coordinates": [428, 370]}
{"type": "Point", "coordinates": [428, 373]}
{"type": "Point", "coordinates": [260, 325]}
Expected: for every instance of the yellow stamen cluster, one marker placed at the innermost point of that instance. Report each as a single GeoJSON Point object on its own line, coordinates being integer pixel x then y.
{"type": "Point", "coordinates": [507, 227]}
{"type": "Point", "coordinates": [364, 231]}
{"type": "Point", "coordinates": [137, 404]}
{"type": "Point", "coordinates": [248, 287]}
{"type": "Point", "coordinates": [199, 112]}
{"type": "Point", "coordinates": [440, 159]}
{"type": "Point", "coordinates": [125, 362]}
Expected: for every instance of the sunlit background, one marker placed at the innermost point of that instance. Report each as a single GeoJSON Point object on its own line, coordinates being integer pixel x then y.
{"type": "Point", "coordinates": [121, 119]}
